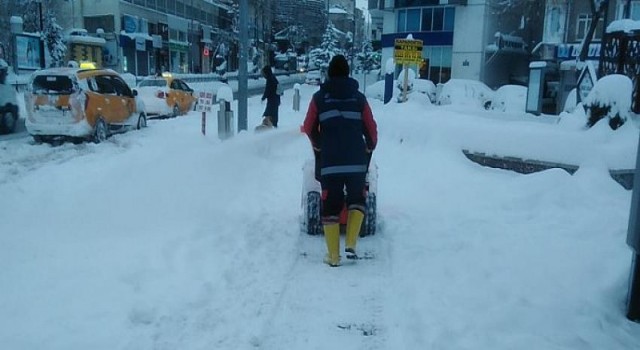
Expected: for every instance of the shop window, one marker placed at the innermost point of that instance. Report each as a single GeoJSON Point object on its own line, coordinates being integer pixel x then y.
{"type": "Point", "coordinates": [439, 58]}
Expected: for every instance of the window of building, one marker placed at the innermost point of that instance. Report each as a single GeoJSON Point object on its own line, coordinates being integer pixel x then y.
{"type": "Point", "coordinates": [413, 20]}
{"type": "Point", "coordinates": [139, 2]}
{"type": "Point", "coordinates": [171, 6]}
{"type": "Point", "coordinates": [162, 5]}
{"type": "Point", "coordinates": [151, 4]}
{"type": "Point", "coordinates": [449, 18]}
{"type": "Point", "coordinates": [428, 19]}
{"type": "Point", "coordinates": [582, 27]}
{"type": "Point", "coordinates": [438, 19]}
{"type": "Point", "coordinates": [180, 8]}
{"type": "Point", "coordinates": [634, 10]}
{"type": "Point", "coordinates": [402, 21]}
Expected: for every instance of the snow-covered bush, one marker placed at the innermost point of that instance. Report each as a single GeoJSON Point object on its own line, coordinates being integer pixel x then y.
{"type": "Point", "coordinates": [411, 76]}
{"type": "Point", "coordinates": [609, 98]}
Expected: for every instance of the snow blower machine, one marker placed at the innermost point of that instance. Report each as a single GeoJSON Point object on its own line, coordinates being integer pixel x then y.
{"type": "Point", "coordinates": [312, 203]}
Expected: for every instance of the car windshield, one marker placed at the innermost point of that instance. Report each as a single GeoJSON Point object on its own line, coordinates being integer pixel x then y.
{"type": "Point", "coordinates": [153, 82]}
{"type": "Point", "coordinates": [52, 84]}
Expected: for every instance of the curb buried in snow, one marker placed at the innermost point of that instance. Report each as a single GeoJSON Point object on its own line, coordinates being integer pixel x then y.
{"type": "Point", "coordinates": [527, 166]}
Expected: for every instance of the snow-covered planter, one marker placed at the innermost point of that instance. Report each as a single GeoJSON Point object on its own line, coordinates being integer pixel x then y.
{"type": "Point", "coordinates": [610, 98]}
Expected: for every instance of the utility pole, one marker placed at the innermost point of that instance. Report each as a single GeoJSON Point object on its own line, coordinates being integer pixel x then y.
{"type": "Point", "coordinates": [242, 72]}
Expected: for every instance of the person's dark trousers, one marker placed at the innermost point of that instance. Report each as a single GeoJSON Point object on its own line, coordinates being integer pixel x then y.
{"type": "Point", "coordinates": [333, 197]}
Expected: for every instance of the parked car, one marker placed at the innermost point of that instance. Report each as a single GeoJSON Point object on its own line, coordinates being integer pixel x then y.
{"type": "Point", "coordinates": [510, 98]}
{"type": "Point", "coordinates": [166, 96]}
{"type": "Point", "coordinates": [81, 103]}
{"type": "Point", "coordinates": [466, 92]}
{"type": "Point", "coordinates": [313, 77]}
{"type": "Point", "coordinates": [8, 102]}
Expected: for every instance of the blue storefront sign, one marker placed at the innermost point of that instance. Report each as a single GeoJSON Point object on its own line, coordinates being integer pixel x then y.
{"type": "Point", "coordinates": [566, 51]}
{"type": "Point", "coordinates": [130, 23]}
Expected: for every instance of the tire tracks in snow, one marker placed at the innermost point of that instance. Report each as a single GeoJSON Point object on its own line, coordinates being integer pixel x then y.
{"type": "Point", "coordinates": [319, 306]}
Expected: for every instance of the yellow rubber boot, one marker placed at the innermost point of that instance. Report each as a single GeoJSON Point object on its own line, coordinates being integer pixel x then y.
{"type": "Point", "coordinates": [354, 221]}
{"type": "Point", "coordinates": [332, 237]}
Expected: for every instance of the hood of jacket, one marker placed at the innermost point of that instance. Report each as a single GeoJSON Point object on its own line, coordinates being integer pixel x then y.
{"type": "Point", "coordinates": [340, 87]}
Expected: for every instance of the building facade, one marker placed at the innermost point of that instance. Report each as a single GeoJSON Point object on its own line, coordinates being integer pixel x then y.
{"type": "Point", "coordinates": [467, 39]}
{"type": "Point", "coordinates": [151, 36]}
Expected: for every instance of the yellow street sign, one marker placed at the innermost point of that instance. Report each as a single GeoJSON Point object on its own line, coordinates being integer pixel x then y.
{"type": "Point", "coordinates": [407, 51]}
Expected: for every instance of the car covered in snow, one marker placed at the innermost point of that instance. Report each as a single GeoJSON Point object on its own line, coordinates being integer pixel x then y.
{"type": "Point", "coordinates": [465, 92]}
{"type": "Point", "coordinates": [510, 98]}
{"type": "Point", "coordinates": [81, 104]}
{"type": "Point", "coordinates": [166, 96]}
{"type": "Point", "coordinates": [313, 77]}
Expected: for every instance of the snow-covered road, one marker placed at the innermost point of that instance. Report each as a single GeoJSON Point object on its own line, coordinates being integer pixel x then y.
{"type": "Point", "coordinates": [167, 239]}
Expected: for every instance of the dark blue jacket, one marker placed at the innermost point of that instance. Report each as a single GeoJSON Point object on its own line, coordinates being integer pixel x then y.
{"type": "Point", "coordinates": [340, 125]}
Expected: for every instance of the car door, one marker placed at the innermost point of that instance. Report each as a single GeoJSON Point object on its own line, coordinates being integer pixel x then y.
{"type": "Point", "coordinates": [187, 94]}
{"type": "Point", "coordinates": [174, 94]}
{"type": "Point", "coordinates": [126, 99]}
{"type": "Point", "coordinates": [109, 105]}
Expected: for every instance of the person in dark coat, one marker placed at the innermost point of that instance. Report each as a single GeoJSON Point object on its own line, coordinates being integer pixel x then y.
{"type": "Point", "coordinates": [271, 95]}
{"type": "Point", "coordinates": [343, 133]}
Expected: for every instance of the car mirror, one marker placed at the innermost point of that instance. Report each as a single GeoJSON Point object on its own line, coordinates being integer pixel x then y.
{"type": "Point", "coordinates": [135, 92]}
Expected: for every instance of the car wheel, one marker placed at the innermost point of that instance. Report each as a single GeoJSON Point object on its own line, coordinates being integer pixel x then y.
{"type": "Point", "coordinates": [100, 132]}
{"type": "Point", "coordinates": [312, 219]}
{"type": "Point", "coordinates": [39, 139]}
{"type": "Point", "coordinates": [176, 111]}
{"type": "Point", "coordinates": [8, 123]}
{"type": "Point", "coordinates": [142, 121]}
{"type": "Point", "coordinates": [369, 223]}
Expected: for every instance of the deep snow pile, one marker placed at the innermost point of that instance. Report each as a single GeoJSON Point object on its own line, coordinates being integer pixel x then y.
{"type": "Point", "coordinates": [167, 239]}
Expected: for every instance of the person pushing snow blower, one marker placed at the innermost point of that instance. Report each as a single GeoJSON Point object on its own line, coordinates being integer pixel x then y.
{"type": "Point", "coordinates": [343, 133]}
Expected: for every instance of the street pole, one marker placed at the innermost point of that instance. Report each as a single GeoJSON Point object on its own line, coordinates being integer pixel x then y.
{"type": "Point", "coordinates": [242, 72]}
{"type": "Point", "coordinates": [42, 65]}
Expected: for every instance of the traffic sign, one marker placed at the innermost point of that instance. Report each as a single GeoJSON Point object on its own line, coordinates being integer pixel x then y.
{"type": "Point", "coordinates": [205, 52]}
{"type": "Point", "coordinates": [407, 51]}
{"type": "Point", "coordinates": [205, 101]}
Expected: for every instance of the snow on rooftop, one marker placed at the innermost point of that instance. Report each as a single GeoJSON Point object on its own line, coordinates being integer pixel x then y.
{"type": "Point", "coordinates": [623, 25]}
{"type": "Point", "coordinates": [337, 10]}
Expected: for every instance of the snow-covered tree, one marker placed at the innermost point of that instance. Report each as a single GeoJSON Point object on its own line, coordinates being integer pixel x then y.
{"type": "Point", "coordinates": [367, 58]}
{"type": "Point", "coordinates": [328, 48]}
{"type": "Point", "coordinates": [52, 36]}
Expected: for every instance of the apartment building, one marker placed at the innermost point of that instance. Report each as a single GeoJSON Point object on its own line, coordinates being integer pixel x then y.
{"type": "Point", "coordinates": [150, 36]}
{"type": "Point", "coordinates": [469, 39]}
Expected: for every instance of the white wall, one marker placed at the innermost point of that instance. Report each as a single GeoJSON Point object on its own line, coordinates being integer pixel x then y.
{"type": "Point", "coordinates": [388, 26]}
{"type": "Point", "coordinates": [469, 40]}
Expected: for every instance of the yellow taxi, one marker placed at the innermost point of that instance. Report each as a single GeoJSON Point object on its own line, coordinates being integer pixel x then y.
{"type": "Point", "coordinates": [166, 96]}
{"type": "Point", "coordinates": [81, 103]}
